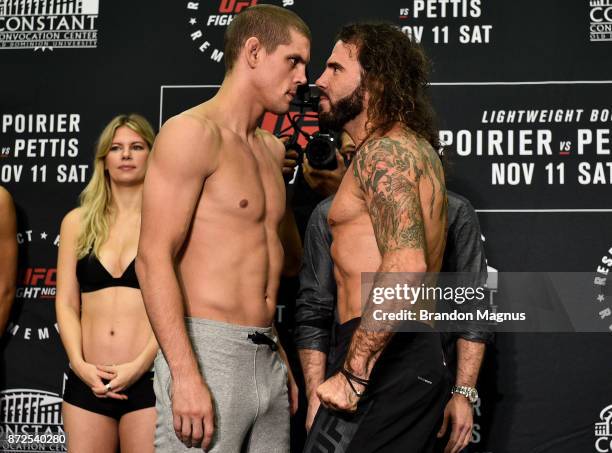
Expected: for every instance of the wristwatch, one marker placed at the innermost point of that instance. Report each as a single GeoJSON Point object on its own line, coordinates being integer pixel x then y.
{"type": "Point", "coordinates": [469, 392]}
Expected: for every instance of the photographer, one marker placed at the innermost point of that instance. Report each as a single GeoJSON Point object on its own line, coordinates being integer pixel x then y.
{"type": "Point", "coordinates": [316, 179]}
{"type": "Point", "coordinates": [323, 182]}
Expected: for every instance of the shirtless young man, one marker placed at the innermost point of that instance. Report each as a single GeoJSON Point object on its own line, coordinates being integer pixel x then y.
{"type": "Point", "coordinates": [209, 249]}
{"type": "Point", "coordinates": [389, 215]}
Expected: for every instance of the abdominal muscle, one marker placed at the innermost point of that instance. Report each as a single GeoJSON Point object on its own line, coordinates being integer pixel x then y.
{"type": "Point", "coordinates": [354, 251]}
{"type": "Point", "coordinates": [114, 325]}
{"type": "Point", "coordinates": [232, 276]}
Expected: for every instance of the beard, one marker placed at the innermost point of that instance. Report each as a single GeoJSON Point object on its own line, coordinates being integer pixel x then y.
{"type": "Point", "coordinates": [343, 111]}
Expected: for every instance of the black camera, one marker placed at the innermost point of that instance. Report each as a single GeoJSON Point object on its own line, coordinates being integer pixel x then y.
{"type": "Point", "coordinates": [321, 152]}
{"type": "Point", "coordinates": [321, 147]}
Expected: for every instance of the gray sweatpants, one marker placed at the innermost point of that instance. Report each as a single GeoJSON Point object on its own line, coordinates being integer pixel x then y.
{"type": "Point", "coordinates": [248, 383]}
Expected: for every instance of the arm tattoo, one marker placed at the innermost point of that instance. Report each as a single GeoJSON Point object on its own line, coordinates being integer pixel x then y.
{"type": "Point", "coordinates": [389, 171]}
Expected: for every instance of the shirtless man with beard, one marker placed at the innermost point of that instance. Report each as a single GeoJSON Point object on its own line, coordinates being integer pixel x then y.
{"type": "Point", "coordinates": [386, 391]}
{"type": "Point", "coordinates": [209, 258]}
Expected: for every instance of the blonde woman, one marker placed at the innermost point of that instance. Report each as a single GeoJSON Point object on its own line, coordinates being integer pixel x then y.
{"type": "Point", "coordinates": [108, 399]}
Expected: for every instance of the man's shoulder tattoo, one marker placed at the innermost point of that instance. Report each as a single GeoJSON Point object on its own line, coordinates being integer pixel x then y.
{"type": "Point", "coordinates": [389, 171]}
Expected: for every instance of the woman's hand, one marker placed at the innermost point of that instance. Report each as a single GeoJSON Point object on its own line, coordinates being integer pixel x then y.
{"type": "Point", "coordinates": [92, 376]}
{"type": "Point", "coordinates": [123, 375]}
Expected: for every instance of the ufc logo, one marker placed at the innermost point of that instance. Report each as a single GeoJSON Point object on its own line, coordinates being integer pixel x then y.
{"type": "Point", "coordinates": [277, 124]}
{"type": "Point", "coordinates": [233, 6]}
{"type": "Point", "coordinates": [32, 276]}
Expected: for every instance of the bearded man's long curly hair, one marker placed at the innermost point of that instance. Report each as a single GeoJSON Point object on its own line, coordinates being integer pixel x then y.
{"type": "Point", "coordinates": [396, 74]}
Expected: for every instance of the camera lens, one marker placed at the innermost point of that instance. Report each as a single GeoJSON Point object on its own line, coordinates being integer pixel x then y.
{"type": "Point", "coordinates": [321, 152]}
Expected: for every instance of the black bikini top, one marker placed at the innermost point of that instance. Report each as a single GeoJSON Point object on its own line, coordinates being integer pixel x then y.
{"type": "Point", "coordinates": [92, 275]}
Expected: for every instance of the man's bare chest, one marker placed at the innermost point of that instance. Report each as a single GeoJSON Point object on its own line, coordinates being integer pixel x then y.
{"type": "Point", "coordinates": [349, 206]}
{"type": "Point", "coordinates": [246, 186]}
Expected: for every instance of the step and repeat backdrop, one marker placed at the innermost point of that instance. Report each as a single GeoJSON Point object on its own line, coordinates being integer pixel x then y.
{"type": "Point", "coordinates": [523, 91]}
